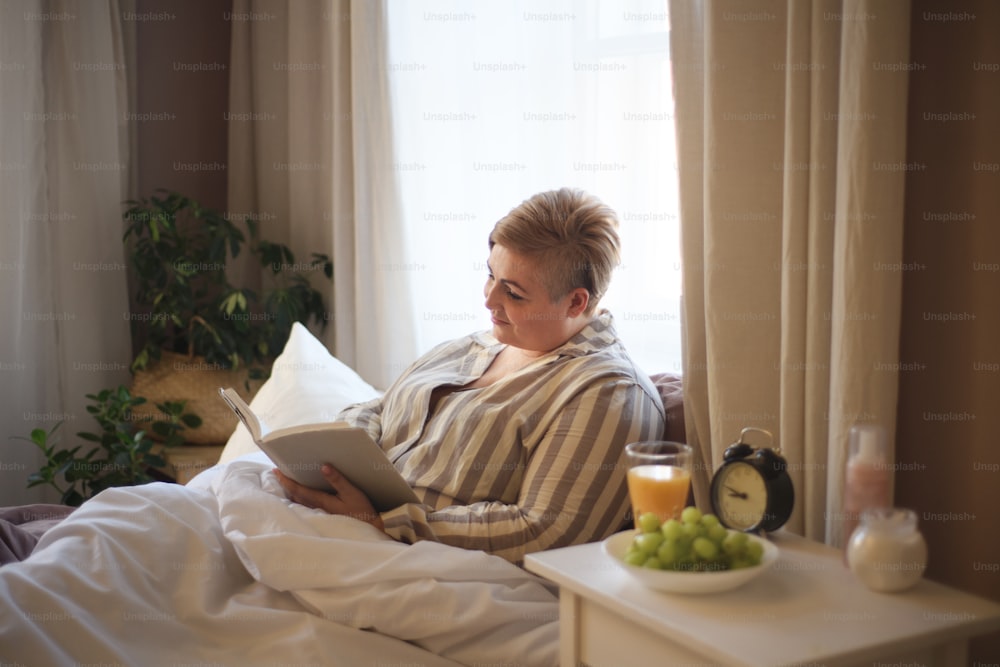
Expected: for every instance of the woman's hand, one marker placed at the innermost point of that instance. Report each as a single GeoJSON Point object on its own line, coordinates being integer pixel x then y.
{"type": "Point", "coordinates": [344, 498]}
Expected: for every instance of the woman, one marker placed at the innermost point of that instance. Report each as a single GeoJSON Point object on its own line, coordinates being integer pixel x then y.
{"type": "Point", "coordinates": [512, 437]}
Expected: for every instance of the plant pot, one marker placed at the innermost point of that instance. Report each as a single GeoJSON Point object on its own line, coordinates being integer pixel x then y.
{"type": "Point", "coordinates": [178, 377]}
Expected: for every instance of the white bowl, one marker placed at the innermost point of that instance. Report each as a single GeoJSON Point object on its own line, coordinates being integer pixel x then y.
{"type": "Point", "coordinates": [688, 582]}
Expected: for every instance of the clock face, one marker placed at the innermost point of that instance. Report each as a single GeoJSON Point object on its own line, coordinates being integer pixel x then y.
{"type": "Point", "coordinates": [740, 496]}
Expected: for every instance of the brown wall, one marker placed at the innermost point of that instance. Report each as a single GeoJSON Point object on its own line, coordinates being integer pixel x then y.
{"type": "Point", "coordinates": [181, 101]}
{"type": "Point", "coordinates": [948, 444]}
{"type": "Point", "coordinates": [182, 93]}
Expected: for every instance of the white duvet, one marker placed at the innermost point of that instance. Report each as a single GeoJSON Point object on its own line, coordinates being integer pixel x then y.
{"type": "Point", "coordinates": [226, 571]}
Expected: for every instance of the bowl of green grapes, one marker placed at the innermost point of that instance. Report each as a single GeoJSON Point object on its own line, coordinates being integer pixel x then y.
{"type": "Point", "coordinates": [692, 554]}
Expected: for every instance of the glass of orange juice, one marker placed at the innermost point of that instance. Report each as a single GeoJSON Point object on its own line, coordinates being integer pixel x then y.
{"type": "Point", "coordinates": [659, 477]}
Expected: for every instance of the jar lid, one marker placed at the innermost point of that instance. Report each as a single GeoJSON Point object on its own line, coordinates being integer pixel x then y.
{"type": "Point", "coordinates": [890, 518]}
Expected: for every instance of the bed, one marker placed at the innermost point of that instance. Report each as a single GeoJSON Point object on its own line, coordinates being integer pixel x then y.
{"type": "Point", "coordinates": [225, 571]}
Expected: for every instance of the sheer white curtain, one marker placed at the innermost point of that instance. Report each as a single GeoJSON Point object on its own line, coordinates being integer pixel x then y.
{"type": "Point", "coordinates": [310, 159]}
{"type": "Point", "coordinates": [493, 102]}
{"type": "Point", "coordinates": [63, 176]}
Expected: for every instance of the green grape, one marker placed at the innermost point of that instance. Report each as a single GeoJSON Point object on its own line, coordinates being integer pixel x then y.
{"type": "Point", "coordinates": [734, 543]}
{"type": "Point", "coordinates": [695, 543]}
{"type": "Point", "coordinates": [754, 552]}
{"type": "Point", "coordinates": [649, 522]}
{"type": "Point", "coordinates": [653, 563]}
{"type": "Point", "coordinates": [671, 529]}
{"type": "Point", "coordinates": [669, 552]}
{"type": "Point", "coordinates": [648, 543]}
{"type": "Point", "coordinates": [691, 514]}
{"type": "Point", "coordinates": [690, 531]}
{"type": "Point", "coordinates": [717, 533]}
{"type": "Point", "coordinates": [705, 548]}
{"type": "Point", "coordinates": [635, 557]}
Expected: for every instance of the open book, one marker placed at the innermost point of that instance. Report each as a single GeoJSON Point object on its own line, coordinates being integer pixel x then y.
{"type": "Point", "coordinates": [300, 451]}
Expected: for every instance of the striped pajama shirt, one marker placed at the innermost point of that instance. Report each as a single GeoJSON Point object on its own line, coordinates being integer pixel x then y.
{"type": "Point", "coordinates": [531, 462]}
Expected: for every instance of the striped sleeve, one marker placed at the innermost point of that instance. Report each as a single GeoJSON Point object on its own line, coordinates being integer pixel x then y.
{"type": "Point", "coordinates": [366, 415]}
{"type": "Point", "coordinates": [573, 487]}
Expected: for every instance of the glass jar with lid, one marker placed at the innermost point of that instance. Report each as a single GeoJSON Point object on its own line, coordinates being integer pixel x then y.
{"type": "Point", "coordinates": [886, 552]}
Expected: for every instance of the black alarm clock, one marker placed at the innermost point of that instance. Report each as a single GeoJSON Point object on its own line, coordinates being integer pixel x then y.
{"type": "Point", "coordinates": [752, 491]}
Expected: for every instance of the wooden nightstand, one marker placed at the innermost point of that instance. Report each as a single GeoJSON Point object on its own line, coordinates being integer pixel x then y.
{"type": "Point", "coordinates": [807, 610]}
{"type": "Point", "coordinates": [186, 461]}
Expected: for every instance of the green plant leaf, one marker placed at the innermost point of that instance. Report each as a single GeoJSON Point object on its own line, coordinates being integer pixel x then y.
{"type": "Point", "coordinates": [77, 470]}
{"type": "Point", "coordinates": [163, 429]}
{"type": "Point", "coordinates": [171, 408]}
{"type": "Point", "coordinates": [40, 436]}
{"type": "Point", "coordinates": [155, 461]}
{"type": "Point", "coordinates": [191, 420]}
{"type": "Point", "coordinates": [72, 498]}
{"type": "Point", "coordinates": [141, 359]}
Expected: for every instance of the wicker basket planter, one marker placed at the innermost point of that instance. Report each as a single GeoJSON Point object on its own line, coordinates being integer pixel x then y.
{"type": "Point", "coordinates": [179, 377]}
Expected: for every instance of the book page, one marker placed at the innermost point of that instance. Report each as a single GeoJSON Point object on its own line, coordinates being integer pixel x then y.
{"type": "Point", "coordinates": [245, 414]}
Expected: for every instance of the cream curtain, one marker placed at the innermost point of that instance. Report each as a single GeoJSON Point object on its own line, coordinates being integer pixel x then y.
{"type": "Point", "coordinates": [573, 105]}
{"type": "Point", "coordinates": [791, 123]}
{"type": "Point", "coordinates": [309, 109]}
{"type": "Point", "coordinates": [64, 173]}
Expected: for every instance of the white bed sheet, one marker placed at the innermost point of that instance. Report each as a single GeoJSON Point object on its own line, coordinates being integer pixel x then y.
{"type": "Point", "coordinates": [226, 571]}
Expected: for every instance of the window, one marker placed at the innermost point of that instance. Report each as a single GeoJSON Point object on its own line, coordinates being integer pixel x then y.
{"type": "Point", "coordinates": [494, 102]}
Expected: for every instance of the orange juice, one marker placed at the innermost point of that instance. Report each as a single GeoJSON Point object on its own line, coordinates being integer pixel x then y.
{"type": "Point", "coordinates": [659, 489]}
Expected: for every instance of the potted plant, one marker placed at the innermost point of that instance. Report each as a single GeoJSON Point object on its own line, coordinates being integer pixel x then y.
{"type": "Point", "coordinates": [124, 453]}
{"type": "Point", "coordinates": [197, 330]}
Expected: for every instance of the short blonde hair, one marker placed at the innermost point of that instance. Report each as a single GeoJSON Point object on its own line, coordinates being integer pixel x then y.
{"type": "Point", "coordinates": [572, 234]}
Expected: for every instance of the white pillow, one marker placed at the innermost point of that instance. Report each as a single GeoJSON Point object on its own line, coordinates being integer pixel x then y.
{"type": "Point", "coordinates": [308, 385]}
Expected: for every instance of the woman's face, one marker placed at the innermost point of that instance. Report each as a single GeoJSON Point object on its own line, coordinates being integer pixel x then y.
{"type": "Point", "coordinates": [522, 312]}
